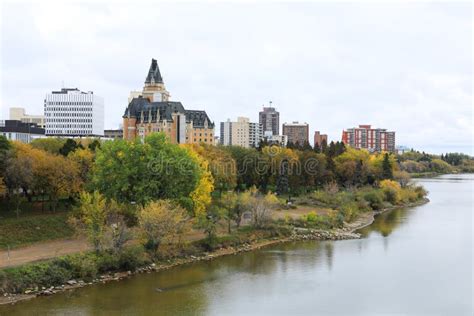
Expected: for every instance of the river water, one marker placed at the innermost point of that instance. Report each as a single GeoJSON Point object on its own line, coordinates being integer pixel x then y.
{"type": "Point", "coordinates": [414, 261]}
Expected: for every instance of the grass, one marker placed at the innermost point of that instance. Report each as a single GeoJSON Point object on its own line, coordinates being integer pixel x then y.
{"type": "Point", "coordinates": [25, 230]}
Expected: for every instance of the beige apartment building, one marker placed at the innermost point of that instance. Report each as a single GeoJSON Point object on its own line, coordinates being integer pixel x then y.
{"type": "Point", "coordinates": [19, 114]}
{"type": "Point", "coordinates": [241, 133]}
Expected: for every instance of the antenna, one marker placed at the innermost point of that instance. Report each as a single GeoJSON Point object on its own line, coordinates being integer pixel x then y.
{"type": "Point", "coordinates": [62, 84]}
{"type": "Point", "coordinates": [271, 103]}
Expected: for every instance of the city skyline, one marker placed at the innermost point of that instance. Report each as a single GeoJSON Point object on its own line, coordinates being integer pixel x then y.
{"type": "Point", "coordinates": [332, 79]}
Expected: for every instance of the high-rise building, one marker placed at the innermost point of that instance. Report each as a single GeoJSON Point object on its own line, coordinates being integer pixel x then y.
{"type": "Point", "coordinates": [269, 118]}
{"type": "Point", "coordinates": [240, 133]}
{"type": "Point", "coordinates": [372, 139]}
{"type": "Point", "coordinates": [19, 114]}
{"type": "Point", "coordinates": [296, 132]}
{"type": "Point", "coordinates": [319, 138]}
{"type": "Point", "coordinates": [20, 131]}
{"type": "Point", "coordinates": [71, 112]}
{"type": "Point", "coordinates": [151, 111]}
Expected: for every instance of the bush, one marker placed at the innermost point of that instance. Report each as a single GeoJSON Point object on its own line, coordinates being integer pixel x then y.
{"type": "Point", "coordinates": [132, 258]}
{"type": "Point", "coordinates": [391, 190]}
{"type": "Point", "coordinates": [375, 199]}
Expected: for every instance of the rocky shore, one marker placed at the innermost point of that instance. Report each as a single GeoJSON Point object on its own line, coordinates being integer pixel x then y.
{"type": "Point", "coordinates": [298, 234]}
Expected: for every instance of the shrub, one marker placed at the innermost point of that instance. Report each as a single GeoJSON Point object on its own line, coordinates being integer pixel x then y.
{"type": "Point", "coordinates": [391, 190]}
{"type": "Point", "coordinates": [132, 258]}
{"type": "Point", "coordinates": [349, 210]}
{"type": "Point", "coordinates": [322, 197]}
{"type": "Point", "coordinates": [420, 192]}
{"type": "Point", "coordinates": [375, 199]}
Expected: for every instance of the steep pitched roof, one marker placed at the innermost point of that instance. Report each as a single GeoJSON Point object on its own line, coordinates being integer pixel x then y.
{"type": "Point", "coordinates": [164, 111]}
{"type": "Point", "coordinates": [198, 118]}
{"type": "Point", "coordinates": [154, 75]}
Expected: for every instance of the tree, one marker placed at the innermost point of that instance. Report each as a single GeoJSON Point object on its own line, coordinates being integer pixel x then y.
{"type": "Point", "coordinates": [95, 144]}
{"type": "Point", "coordinates": [84, 158]}
{"type": "Point", "coordinates": [220, 163]}
{"type": "Point", "coordinates": [3, 188]}
{"type": "Point", "coordinates": [161, 222]}
{"type": "Point", "coordinates": [402, 177]}
{"type": "Point", "coordinates": [282, 178]}
{"type": "Point", "coordinates": [387, 171]}
{"type": "Point", "coordinates": [260, 206]}
{"type": "Point", "coordinates": [50, 144]}
{"type": "Point", "coordinates": [142, 172]}
{"type": "Point", "coordinates": [93, 215]}
{"type": "Point", "coordinates": [5, 147]}
{"type": "Point", "coordinates": [69, 146]}
{"type": "Point", "coordinates": [233, 208]}
{"type": "Point", "coordinates": [201, 196]}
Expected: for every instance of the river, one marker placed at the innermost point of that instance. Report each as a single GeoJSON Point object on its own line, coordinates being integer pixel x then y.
{"type": "Point", "coordinates": [414, 261]}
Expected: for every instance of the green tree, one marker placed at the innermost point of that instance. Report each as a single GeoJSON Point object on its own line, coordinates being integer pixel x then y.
{"type": "Point", "coordinates": [93, 215]}
{"type": "Point", "coordinates": [69, 146]}
{"type": "Point", "coordinates": [387, 168]}
{"type": "Point", "coordinates": [142, 172]}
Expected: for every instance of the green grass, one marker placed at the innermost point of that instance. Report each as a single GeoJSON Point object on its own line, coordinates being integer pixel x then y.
{"type": "Point", "coordinates": [16, 232]}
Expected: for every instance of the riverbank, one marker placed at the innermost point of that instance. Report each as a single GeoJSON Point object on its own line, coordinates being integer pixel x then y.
{"type": "Point", "coordinates": [297, 234]}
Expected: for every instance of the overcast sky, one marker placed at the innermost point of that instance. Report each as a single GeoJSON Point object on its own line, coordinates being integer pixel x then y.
{"type": "Point", "coordinates": [406, 67]}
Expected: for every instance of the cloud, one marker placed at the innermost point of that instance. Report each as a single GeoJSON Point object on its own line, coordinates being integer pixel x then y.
{"type": "Point", "coordinates": [405, 66]}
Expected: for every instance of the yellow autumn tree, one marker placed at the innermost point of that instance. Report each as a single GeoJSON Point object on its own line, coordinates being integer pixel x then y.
{"type": "Point", "coordinates": [201, 196]}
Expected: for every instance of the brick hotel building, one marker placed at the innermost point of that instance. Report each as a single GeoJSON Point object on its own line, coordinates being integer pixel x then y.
{"type": "Point", "coordinates": [152, 111]}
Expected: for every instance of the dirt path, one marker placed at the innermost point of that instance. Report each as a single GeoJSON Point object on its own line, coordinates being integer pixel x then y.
{"type": "Point", "coordinates": [41, 251]}
{"type": "Point", "coordinates": [55, 248]}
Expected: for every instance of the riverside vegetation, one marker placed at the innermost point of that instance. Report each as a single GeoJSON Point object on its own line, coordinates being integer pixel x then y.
{"type": "Point", "coordinates": [141, 202]}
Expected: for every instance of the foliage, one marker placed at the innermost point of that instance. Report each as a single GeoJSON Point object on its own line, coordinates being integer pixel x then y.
{"type": "Point", "coordinates": [93, 214]}
{"type": "Point", "coordinates": [220, 163]}
{"type": "Point", "coordinates": [69, 146]}
{"type": "Point", "coordinates": [201, 195]}
{"type": "Point", "coordinates": [260, 206]}
{"type": "Point", "coordinates": [142, 172]}
{"type": "Point", "coordinates": [161, 222]}
{"type": "Point", "coordinates": [56, 272]}
{"type": "Point", "coordinates": [392, 190]}
{"type": "Point", "coordinates": [51, 145]}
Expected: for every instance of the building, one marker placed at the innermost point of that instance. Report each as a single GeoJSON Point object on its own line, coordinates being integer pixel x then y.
{"type": "Point", "coordinates": [372, 139]}
{"type": "Point", "coordinates": [71, 112]}
{"type": "Point", "coordinates": [296, 132]}
{"type": "Point", "coordinates": [320, 138]}
{"type": "Point", "coordinates": [269, 118]}
{"type": "Point", "coordinates": [241, 133]}
{"type": "Point", "coordinates": [152, 111]}
{"type": "Point", "coordinates": [279, 140]}
{"type": "Point", "coordinates": [19, 114]}
{"type": "Point", "coordinates": [113, 133]}
{"type": "Point", "coordinates": [20, 131]}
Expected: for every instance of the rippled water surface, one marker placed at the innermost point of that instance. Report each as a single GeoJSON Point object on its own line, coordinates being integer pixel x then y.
{"type": "Point", "coordinates": [411, 262]}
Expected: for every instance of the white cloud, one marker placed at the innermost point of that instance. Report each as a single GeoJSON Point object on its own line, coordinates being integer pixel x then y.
{"type": "Point", "coordinates": [406, 66]}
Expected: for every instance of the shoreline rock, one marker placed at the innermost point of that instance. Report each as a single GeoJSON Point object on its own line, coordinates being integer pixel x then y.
{"type": "Point", "coordinates": [298, 234]}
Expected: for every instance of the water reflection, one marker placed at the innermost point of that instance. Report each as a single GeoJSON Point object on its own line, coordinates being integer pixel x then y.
{"type": "Point", "coordinates": [353, 277]}
{"type": "Point", "coordinates": [387, 222]}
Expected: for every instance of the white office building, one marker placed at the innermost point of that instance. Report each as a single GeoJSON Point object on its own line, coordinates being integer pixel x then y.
{"type": "Point", "coordinates": [71, 112]}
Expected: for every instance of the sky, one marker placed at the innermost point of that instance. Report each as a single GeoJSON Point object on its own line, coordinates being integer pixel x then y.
{"type": "Point", "coordinates": [404, 66]}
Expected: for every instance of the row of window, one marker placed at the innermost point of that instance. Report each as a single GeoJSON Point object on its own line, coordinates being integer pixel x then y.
{"type": "Point", "coordinates": [68, 109]}
{"type": "Point", "coordinates": [69, 114]}
{"type": "Point", "coordinates": [69, 126]}
{"type": "Point", "coordinates": [69, 120]}
{"type": "Point", "coordinates": [70, 132]}
{"type": "Point", "coordinates": [67, 103]}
